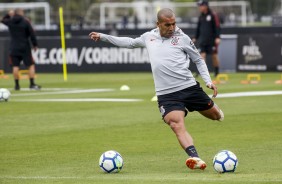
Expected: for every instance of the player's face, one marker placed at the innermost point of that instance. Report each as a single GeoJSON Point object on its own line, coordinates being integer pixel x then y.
{"type": "Point", "coordinates": [203, 8]}
{"type": "Point", "coordinates": [166, 26]}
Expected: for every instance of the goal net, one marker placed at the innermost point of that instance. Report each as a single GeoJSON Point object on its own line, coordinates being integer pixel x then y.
{"type": "Point", "coordinates": [232, 13]}
{"type": "Point", "coordinates": [38, 13]}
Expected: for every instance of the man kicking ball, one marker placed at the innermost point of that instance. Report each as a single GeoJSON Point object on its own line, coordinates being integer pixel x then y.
{"type": "Point", "coordinates": [170, 52]}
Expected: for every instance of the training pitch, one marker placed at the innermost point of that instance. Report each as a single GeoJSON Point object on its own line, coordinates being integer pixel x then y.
{"type": "Point", "coordinates": [57, 135]}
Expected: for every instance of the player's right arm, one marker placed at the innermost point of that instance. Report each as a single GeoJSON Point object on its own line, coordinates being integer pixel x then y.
{"type": "Point", "coordinates": [126, 42]}
{"type": "Point", "coordinates": [7, 18]}
{"type": "Point", "coordinates": [197, 34]}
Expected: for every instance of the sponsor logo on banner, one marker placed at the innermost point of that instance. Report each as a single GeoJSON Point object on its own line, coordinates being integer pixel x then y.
{"type": "Point", "coordinates": [251, 52]}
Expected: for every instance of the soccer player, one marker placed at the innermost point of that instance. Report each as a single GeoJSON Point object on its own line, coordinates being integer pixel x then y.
{"type": "Point", "coordinates": [170, 52]}
{"type": "Point", "coordinates": [21, 33]}
{"type": "Point", "coordinates": [208, 34]}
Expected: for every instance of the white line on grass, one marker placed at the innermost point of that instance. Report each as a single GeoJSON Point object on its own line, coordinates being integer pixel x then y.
{"type": "Point", "coordinates": [140, 178]}
{"type": "Point", "coordinates": [49, 89]}
{"type": "Point", "coordinates": [65, 92]}
{"type": "Point", "coordinates": [81, 100]}
{"type": "Point", "coordinates": [251, 93]}
{"type": "Point", "coordinates": [224, 95]}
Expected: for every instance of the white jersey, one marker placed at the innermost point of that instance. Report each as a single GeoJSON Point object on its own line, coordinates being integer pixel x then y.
{"type": "Point", "coordinates": [169, 58]}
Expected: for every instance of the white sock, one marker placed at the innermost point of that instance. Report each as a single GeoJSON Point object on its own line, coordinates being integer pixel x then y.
{"type": "Point", "coordinates": [221, 115]}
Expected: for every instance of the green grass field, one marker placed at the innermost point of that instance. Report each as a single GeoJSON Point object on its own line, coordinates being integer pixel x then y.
{"type": "Point", "coordinates": [61, 142]}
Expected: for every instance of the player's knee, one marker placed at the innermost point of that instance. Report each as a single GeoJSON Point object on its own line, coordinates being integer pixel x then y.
{"type": "Point", "coordinates": [172, 124]}
{"type": "Point", "coordinates": [176, 127]}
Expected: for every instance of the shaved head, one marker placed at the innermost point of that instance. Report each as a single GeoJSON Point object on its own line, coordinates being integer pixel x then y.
{"type": "Point", "coordinates": [166, 22]}
{"type": "Point", "coordinates": [165, 12]}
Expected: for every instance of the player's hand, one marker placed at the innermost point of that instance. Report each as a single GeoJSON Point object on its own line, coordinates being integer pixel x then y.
{"type": "Point", "coordinates": [217, 41]}
{"type": "Point", "coordinates": [194, 40]}
{"type": "Point", "coordinates": [94, 36]}
{"type": "Point", "coordinates": [214, 88]}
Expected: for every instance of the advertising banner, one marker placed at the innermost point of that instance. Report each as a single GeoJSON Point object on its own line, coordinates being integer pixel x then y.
{"type": "Point", "coordinates": [261, 53]}
{"type": "Point", "coordinates": [85, 55]}
{"type": "Point", "coordinates": [254, 53]}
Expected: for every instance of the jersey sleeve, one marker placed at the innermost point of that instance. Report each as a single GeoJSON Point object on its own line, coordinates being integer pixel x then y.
{"type": "Point", "coordinates": [125, 42]}
{"type": "Point", "coordinates": [32, 34]}
{"type": "Point", "coordinates": [6, 20]}
{"type": "Point", "coordinates": [197, 34]}
{"type": "Point", "coordinates": [216, 25]}
{"type": "Point", "coordinates": [196, 58]}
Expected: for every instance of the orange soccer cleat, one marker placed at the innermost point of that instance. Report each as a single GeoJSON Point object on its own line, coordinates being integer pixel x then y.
{"type": "Point", "coordinates": [196, 163]}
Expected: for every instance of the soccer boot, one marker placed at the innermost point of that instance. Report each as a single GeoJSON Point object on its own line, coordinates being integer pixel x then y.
{"type": "Point", "coordinates": [196, 163]}
{"type": "Point", "coordinates": [34, 87]}
{"type": "Point", "coordinates": [17, 88]}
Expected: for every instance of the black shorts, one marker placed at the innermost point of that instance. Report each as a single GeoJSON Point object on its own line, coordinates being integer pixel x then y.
{"type": "Point", "coordinates": [26, 58]}
{"type": "Point", "coordinates": [208, 49]}
{"type": "Point", "coordinates": [189, 99]}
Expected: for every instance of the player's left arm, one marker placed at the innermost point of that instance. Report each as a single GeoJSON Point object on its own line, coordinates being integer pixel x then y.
{"type": "Point", "coordinates": [32, 35]}
{"type": "Point", "coordinates": [197, 34]}
{"type": "Point", "coordinates": [195, 57]}
{"type": "Point", "coordinates": [216, 27]}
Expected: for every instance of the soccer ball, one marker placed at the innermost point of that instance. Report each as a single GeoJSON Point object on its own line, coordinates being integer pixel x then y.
{"type": "Point", "coordinates": [225, 161]}
{"type": "Point", "coordinates": [111, 162]}
{"type": "Point", "coordinates": [4, 94]}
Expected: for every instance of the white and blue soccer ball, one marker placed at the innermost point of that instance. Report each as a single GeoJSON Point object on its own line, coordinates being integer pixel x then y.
{"type": "Point", "coordinates": [111, 162]}
{"type": "Point", "coordinates": [225, 161]}
{"type": "Point", "coordinates": [4, 94]}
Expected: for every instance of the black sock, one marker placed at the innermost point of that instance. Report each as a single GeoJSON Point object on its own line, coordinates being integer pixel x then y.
{"type": "Point", "coordinates": [216, 71]}
{"type": "Point", "coordinates": [17, 82]}
{"type": "Point", "coordinates": [31, 81]}
{"type": "Point", "coordinates": [191, 151]}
